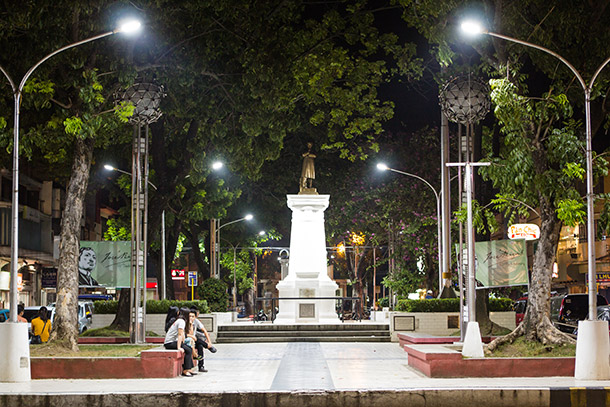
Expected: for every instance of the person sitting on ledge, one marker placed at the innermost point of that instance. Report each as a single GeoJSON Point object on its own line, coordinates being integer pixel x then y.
{"type": "Point", "coordinates": [203, 338]}
{"type": "Point", "coordinates": [175, 337]}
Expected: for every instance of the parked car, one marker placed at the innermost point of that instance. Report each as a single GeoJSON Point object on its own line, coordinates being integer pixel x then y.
{"type": "Point", "coordinates": [85, 315]}
{"type": "Point", "coordinates": [567, 310]}
{"type": "Point", "coordinates": [4, 315]}
{"type": "Point", "coordinates": [603, 314]}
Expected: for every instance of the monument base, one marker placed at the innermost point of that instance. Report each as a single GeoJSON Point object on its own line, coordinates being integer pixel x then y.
{"type": "Point", "coordinates": [304, 310]}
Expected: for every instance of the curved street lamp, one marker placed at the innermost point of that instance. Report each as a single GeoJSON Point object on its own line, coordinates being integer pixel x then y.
{"type": "Point", "coordinates": [474, 28]}
{"type": "Point", "coordinates": [126, 27]}
{"type": "Point", "coordinates": [384, 167]}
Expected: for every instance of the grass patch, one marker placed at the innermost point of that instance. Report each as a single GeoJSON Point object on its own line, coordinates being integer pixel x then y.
{"type": "Point", "coordinates": [522, 348]}
{"type": "Point", "coordinates": [50, 349]}
{"type": "Point", "coordinates": [109, 332]}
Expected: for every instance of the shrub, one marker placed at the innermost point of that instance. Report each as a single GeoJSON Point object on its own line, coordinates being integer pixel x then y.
{"type": "Point", "coordinates": [214, 291]}
{"type": "Point", "coordinates": [384, 302]}
{"type": "Point", "coordinates": [105, 307]}
{"type": "Point", "coordinates": [449, 305]}
{"type": "Point", "coordinates": [500, 304]}
{"type": "Point", "coordinates": [152, 306]}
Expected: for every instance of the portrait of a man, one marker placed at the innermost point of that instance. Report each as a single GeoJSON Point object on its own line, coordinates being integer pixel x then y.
{"type": "Point", "coordinates": [86, 263]}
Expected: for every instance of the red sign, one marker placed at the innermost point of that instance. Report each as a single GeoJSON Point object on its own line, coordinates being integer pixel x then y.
{"type": "Point", "coordinates": [178, 274]}
{"type": "Point", "coordinates": [151, 285]}
{"type": "Point", "coordinates": [527, 231]}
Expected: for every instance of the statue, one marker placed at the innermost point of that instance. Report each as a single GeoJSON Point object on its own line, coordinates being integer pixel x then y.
{"type": "Point", "coordinates": [308, 172]}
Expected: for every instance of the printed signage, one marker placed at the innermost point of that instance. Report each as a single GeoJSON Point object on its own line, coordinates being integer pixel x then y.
{"type": "Point", "coordinates": [192, 280]}
{"type": "Point", "coordinates": [177, 274]}
{"type": "Point", "coordinates": [527, 231]}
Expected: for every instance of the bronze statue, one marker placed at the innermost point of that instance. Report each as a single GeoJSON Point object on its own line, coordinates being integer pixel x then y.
{"type": "Point", "coordinates": [308, 172]}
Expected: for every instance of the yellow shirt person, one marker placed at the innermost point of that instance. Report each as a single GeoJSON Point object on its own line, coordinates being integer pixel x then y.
{"type": "Point", "coordinates": [39, 327]}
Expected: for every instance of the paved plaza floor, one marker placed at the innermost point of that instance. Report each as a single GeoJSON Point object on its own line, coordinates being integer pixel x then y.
{"type": "Point", "coordinates": [298, 366]}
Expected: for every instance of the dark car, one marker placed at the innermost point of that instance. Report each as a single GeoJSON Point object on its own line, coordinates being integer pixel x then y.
{"type": "Point", "coordinates": [567, 310]}
{"type": "Point", "coordinates": [519, 307]}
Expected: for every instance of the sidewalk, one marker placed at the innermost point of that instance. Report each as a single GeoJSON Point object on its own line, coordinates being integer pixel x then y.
{"type": "Point", "coordinates": [308, 374]}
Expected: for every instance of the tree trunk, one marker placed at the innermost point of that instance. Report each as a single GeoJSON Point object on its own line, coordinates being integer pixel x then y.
{"type": "Point", "coordinates": [65, 330]}
{"type": "Point", "coordinates": [193, 233]}
{"type": "Point", "coordinates": [536, 325]}
{"type": "Point", "coordinates": [121, 320]}
{"type": "Point", "coordinates": [486, 325]}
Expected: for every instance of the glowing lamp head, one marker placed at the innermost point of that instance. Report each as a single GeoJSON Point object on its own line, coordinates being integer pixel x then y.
{"type": "Point", "coordinates": [248, 217]}
{"type": "Point", "coordinates": [471, 27]}
{"type": "Point", "coordinates": [129, 27]}
{"type": "Point", "coordinates": [217, 165]}
{"type": "Point", "coordinates": [109, 167]}
{"type": "Point", "coordinates": [382, 167]}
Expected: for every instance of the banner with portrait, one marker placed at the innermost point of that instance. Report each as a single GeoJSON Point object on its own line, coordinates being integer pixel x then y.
{"type": "Point", "coordinates": [500, 263]}
{"type": "Point", "coordinates": [105, 264]}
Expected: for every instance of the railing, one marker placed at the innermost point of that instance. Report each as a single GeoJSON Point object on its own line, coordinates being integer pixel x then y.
{"type": "Point", "coordinates": [346, 307]}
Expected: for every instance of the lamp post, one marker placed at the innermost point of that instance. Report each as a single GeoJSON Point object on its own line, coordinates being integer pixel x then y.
{"type": "Point", "coordinates": [235, 247]}
{"type": "Point", "coordinates": [587, 334]}
{"type": "Point", "coordinates": [12, 372]}
{"type": "Point", "coordinates": [215, 243]}
{"type": "Point", "coordinates": [162, 266]}
{"type": "Point", "coordinates": [384, 167]}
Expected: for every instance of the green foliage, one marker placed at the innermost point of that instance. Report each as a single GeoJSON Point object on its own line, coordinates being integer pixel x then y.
{"type": "Point", "coordinates": [116, 231]}
{"type": "Point", "coordinates": [449, 305]}
{"type": "Point", "coordinates": [214, 291]}
{"type": "Point", "coordinates": [384, 302]}
{"type": "Point", "coordinates": [152, 306]}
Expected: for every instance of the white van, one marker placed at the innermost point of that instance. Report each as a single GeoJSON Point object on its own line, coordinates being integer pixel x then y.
{"type": "Point", "coordinates": [85, 315]}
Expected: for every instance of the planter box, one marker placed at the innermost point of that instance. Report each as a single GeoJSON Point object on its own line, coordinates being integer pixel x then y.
{"type": "Point", "coordinates": [156, 323]}
{"type": "Point", "coordinates": [438, 323]}
{"type": "Point", "coordinates": [153, 363]}
{"type": "Point", "coordinates": [439, 361]}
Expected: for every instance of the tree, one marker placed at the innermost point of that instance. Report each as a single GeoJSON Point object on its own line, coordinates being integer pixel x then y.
{"type": "Point", "coordinates": [540, 162]}
{"type": "Point", "coordinates": [74, 115]}
{"type": "Point", "coordinates": [242, 79]}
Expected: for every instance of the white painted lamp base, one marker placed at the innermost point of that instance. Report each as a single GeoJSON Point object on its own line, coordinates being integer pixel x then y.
{"type": "Point", "coordinates": [15, 360]}
{"type": "Point", "coordinates": [473, 345]}
{"type": "Point", "coordinates": [592, 349]}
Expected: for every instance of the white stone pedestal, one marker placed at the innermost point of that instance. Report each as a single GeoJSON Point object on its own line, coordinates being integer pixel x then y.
{"type": "Point", "coordinates": [473, 345]}
{"type": "Point", "coordinates": [592, 348]}
{"type": "Point", "coordinates": [15, 360]}
{"type": "Point", "coordinates": [307, 269]}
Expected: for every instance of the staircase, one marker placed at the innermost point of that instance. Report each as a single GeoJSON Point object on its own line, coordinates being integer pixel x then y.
{"type": "Point", "coordinates": [267, 332]}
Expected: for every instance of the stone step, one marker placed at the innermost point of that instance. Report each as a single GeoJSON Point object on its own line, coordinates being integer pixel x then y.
{"type": "Point", "coordinates": [265, 326]}
{"type": "Point", "coordinates": [305, 339]}
{"type": "Point", "coordinates": [228, 334]}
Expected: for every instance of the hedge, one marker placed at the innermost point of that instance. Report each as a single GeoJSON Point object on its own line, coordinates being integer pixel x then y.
{"type": "Point", "coordinates": [449, 305]}
{"type": "Point", "coordinates": [152, 306]}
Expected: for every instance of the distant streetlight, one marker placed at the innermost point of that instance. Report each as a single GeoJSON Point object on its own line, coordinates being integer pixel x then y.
{"type": "Point", "coordinates": [235, 247]}
{"type": "Point", "coordinates": [127, 27]}
{"type": "Point", "coordinates": [215, 250]}
{"type": "Point", "coordinates": [472, 28]}
{"type": "Point", "coordinates": [217, 165]}
{"type": "Point", "coordinates": [384, 167]}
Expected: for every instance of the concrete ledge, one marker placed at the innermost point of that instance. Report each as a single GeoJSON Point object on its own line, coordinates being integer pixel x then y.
{"type": "Point", "coordinates": [504, 397]}
{"type": "Point", "coordinates": [425, 339]}
{"type": "Point", "coordinates": [154, 363]}
{"type": "Point", "coordinates": [438, 361]}
{"type": "Point", "coordinates": [101, 340]}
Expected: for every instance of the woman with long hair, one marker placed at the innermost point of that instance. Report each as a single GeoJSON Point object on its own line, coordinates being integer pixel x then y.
{"type": "Point", "coordinates": [171, 316]}
{"type": "Point", "coordinates": [175, 337]}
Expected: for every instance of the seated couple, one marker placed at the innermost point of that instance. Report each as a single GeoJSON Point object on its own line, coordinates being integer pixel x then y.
{"type": "Point", "coordinates": [186, 332]}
